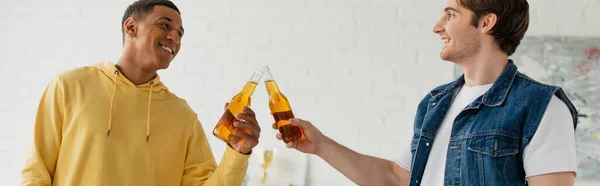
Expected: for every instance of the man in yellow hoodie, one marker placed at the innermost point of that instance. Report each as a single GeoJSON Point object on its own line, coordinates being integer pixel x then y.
{"type": "Point", "coordinates": [114, 125]}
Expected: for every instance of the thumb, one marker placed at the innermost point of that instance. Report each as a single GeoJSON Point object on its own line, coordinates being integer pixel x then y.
{"type": "Point", "coordinates": [226, 105]}
{"type": "Point", "coordinates": [301, 123]}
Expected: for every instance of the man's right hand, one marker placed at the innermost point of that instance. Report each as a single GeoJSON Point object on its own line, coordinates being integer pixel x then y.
{"type": "Point", "coordinates": [310, 141]}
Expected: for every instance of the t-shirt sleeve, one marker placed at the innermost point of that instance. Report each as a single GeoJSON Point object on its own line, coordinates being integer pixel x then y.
{"type": "Point", "coordinates": [552, 147]}
{"type": "Point", "coordinates": [404, 157]}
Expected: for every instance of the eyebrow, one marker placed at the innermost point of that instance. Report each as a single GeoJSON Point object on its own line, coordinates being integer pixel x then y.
{"type": "Point", "coordinates": [170, 20]}
{"type": "Point", "coordinates": [449, 9]}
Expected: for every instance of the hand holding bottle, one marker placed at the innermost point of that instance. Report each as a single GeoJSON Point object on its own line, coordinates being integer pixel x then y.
{"type": "Point", "coordinates": [247, 131]}
{"type": "Point", "coordinates": [309, 142]}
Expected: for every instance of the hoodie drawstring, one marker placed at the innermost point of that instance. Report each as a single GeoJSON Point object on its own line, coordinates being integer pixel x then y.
{"type": "Point", "coordinates": [148, 113]}
{"type": "Point", "coordinates": [112, 102]}
{"type": "Point", "coordinates": [112, 99]}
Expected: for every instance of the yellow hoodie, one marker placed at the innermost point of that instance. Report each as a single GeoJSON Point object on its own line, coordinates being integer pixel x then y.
{"type": "Point", "coordinates": [95, 127]}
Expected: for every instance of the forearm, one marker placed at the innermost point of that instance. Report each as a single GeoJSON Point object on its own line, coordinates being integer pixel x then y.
{"type": "Point", "coordinates": [201, 168]}
{"type": "Point", "coordinates": [231, 170]}
{"type": "Point", "coordinates": [361, 169]}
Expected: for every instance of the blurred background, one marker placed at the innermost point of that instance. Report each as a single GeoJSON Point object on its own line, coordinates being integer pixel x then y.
{"type": "Point", "coordinates": [355, 68]}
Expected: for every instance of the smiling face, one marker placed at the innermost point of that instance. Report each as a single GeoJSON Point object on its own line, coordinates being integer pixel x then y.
{"type": "Point", "coordinates": [460, 38]}
{"type": "Point", "coordinates": [156, 38]}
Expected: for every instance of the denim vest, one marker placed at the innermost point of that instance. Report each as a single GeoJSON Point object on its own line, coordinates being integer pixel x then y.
{"type": "Point", "coordinates": [489, 135]}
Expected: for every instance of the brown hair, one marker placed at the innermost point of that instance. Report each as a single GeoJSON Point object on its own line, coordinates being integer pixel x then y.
{"type": "Point", "coordinates": [512, 22]}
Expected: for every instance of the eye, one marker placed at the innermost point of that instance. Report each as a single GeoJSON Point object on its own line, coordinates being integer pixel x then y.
{"type": "Point", "coordinates": [164, 25]}
{"type": "Point", "coordinates": [450, 15]}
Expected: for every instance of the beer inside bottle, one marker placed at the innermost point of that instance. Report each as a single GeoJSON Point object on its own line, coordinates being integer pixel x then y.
{"type": "Point", "coordinates": [224, 129]}
{"type": "Point", "coordinates": [280, 109]}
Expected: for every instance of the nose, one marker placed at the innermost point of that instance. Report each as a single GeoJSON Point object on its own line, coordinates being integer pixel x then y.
{"type": "Point", "coordinates": [438, 28]}
{"type": "Point", "coordinates": [174, 36]}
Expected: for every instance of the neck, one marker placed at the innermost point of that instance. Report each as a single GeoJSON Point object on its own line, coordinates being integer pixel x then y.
{"type": "Point", "coordinates": [485, 67]}
{"type": "Point", "coordinates": [132, 70]}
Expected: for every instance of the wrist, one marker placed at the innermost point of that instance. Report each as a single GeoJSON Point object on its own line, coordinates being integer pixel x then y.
{"type": "Point", "coordinates": [241, 151]}
{"type": "Point", "coordinates": [322, 146]}
{"type": "Point", "coordinates": [234, 159]}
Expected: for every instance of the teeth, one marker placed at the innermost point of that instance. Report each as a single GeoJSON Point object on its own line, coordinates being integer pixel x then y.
{"type": "Point", "coordinates": [167, 48]}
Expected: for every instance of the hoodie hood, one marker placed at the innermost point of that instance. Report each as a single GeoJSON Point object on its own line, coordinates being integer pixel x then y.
{"type": "Point", "coordinates": [109, 69]}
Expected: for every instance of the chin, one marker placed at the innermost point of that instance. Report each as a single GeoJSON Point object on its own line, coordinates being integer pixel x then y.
{"type": "Point", "coordinates": [448, 56]}
{"type": "Point", "coordinates": [162, 65]}
{"type": "Point", "coordinates": [444, 56]}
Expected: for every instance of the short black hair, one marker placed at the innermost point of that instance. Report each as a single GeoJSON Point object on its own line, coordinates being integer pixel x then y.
{"type": "Point", "coordinates": [140, 8]}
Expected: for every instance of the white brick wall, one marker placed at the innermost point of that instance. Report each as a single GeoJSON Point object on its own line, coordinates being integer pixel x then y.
{"type": "Point", "coordinates": [356, 68]}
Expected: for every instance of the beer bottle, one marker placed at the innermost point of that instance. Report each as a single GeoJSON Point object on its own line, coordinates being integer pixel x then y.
{"type": "Point", "coordinates": [224, 129]}
{"type": "Point", "coordinates": [280, 109]}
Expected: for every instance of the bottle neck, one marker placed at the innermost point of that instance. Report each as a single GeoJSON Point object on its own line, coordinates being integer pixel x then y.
{"type": "Point", "coordinates": [270, 82]}
{"type": "Point", "coordinates": [252, 83]}
{"type": "Point", "coordinates": [249, 88]}
{"type": "Point", "coordinates": [271, 86]}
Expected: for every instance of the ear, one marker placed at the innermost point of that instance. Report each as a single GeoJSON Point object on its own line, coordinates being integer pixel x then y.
{"type": "Point", "coordinates": [130, 27]}
{"type": "Point", "coordinates": [487, 22]}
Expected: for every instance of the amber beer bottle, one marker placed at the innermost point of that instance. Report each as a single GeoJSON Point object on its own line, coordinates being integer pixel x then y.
{"type": "Point", "coordinates": [224, 129]}
{"type": "Point", "coordinates": [280, 109]}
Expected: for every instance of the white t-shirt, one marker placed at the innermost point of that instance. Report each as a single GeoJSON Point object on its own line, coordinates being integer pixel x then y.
{"type": "Point", "coordinates": [552, 148]}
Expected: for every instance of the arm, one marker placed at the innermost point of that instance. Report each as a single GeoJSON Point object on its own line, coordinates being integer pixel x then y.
{"type": "Point", "coordinates": [201, 168]}
{"type": "Point", "coordinates": [553, 179]}
{"type": "Point", "coordinates": [550, 158]}
{"type": "Point", "coordinates": [47, 136]}
{"type": "Point", "coordinates": [361, 169]}
{"type": "Point", "coordinates": [200, 164]}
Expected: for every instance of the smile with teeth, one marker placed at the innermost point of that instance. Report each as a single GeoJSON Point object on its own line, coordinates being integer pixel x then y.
{"type": "Point", "coordinates": [167, 49]}
{"type": "Point", "coordinates": [446, 41]}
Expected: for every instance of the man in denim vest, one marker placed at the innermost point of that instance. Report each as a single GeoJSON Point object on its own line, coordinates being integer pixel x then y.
{"type": "Point", "coordinates": [491, 126]}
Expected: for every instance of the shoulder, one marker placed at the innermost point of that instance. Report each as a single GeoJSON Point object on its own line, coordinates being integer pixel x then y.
{"type": "Point", "coordinates": [79, 72]}
{"type": "Point", "coordinates": [76, 75]}
{"type": "Point", "coordinates": [531, 94]}
{"type": "Point", "coordinates": [556, 109]}
{"type": "Point", "coordinates": [179, 106]}
{"type": "Point", "coordinates": [527, 83]}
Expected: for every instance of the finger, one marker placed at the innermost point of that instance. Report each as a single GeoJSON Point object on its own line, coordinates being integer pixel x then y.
{"type": "Point", "coordinates": [274, 126]}
{"type": "Point", "coordinates": [226, 105]}
{"type": "Point", "coordinates": [250, 138]}
{"type": "Point", "coordinates": [278, 136]}
{"type": "Point", "coordinates": [249, 111]}
{"type": "Point", "coordinates": [292, 144]}
{"type": "Point", "coordinates": [301, 123]}
{"type": "Point", "coordinates": [250, 119]}
{"type": "Point", "coordinates": [234, 139]}
{"type": "Point", "coordinates": [249, 128]}
{"type": "Point", "coordinates": [250, 123]}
